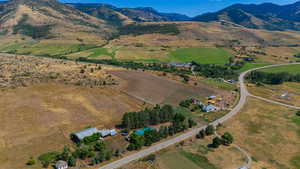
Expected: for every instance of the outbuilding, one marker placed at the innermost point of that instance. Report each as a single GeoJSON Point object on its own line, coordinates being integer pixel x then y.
{"type": "Point", "coordinates": [84, 133]}
{"type": "Point", "coordinates": [61, 165]}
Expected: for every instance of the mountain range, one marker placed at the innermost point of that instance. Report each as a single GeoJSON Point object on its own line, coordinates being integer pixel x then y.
{"type": "Point", "coordinates": [50, 18]}
{"type": "Point", "coordinates": [115, 15]}
{"type": "Point", "coordinates": [263, 16]}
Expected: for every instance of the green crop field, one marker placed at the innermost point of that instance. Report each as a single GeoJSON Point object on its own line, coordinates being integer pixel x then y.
{"type": "Point", "coordinates": [101, 52]}
{"type": "Point", "coordinates": [294, 69]}
{"type": "Point", "coordinates": [201, 55]}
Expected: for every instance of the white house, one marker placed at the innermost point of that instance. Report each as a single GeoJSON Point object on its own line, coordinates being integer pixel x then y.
{"type": "Point", "coordinates": [61, 165]}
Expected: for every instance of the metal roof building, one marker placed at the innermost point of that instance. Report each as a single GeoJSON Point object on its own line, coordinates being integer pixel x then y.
{"type": "Point", "coordinates": [85, 133]}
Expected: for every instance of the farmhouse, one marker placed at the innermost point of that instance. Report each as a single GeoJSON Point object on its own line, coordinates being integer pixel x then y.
{"type": "Point", "coordinates": [210, 108]}
{"type": "Point", "coordinates": [61, 165]}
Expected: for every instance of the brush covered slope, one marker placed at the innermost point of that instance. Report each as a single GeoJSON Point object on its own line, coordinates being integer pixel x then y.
{"type": "Point", "coordinates": [42, 19]}
{"type": "Point", "coordinates": [264, 16]}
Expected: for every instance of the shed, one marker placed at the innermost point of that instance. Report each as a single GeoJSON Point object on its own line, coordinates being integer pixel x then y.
{"type": "Point", "coordinates": [85, 133]}
{"type": "Point", "coordinates": [212, 97]}
{"type": "Point", "coordinates": [106, 132]}
{"type": "Point", "coordinates": [61, 165]}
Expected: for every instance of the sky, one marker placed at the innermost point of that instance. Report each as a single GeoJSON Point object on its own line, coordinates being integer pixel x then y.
{"type": "Point", "coordinates": [188, 7]}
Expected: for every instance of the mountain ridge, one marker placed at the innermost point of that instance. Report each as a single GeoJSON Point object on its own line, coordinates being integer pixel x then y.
{"type": "Point", "coordinates": [259, 16]}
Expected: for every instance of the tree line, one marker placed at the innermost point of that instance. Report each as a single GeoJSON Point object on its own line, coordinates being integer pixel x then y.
{"type": "Point", "coordinates": [179, 124]}
{"type": "Point", "coordinates": [207, 70]}
{"type": "Point", "coordinates": [226, 139]}
{"type": "Point", "coordinates": [272, 78]}
{"type": "Point", "coordinates": [154, 116]}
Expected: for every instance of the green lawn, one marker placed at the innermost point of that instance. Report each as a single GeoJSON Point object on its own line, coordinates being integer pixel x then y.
{"type": "Point", "coordinates": [201, 55]}
{"type": "Point", "coordinates": [294, 69]}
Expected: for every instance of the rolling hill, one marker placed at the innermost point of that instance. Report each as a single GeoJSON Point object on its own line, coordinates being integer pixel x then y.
{"type": "Point", "coordinates": [263, 16]}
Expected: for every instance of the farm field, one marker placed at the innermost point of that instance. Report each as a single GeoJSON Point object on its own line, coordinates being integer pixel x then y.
{"type": "Point", "coordinates": [157, 90]}
{"type": "Point", "coordinates": [201, 55]}
{"type": "Point", "coordinates": [39, 118]}
{"type": "Point", "coordinates": [193, 154]}
{"type": "Point", "coordinates": [44, 48]}
{"type": "Point", "coordinates": [270, 133]}
{"type": "Point", "coordinates": [294, 69]}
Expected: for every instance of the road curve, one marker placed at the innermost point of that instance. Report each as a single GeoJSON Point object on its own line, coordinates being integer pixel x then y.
{"type": "Point", "coordinates": [243, 98]}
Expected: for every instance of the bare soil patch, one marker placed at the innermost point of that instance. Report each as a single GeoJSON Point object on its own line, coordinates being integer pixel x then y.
{"type": "Point", "coordinates": [157, 90]}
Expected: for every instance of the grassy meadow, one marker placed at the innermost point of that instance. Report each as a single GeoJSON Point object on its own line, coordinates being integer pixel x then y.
{"type": "Point", "coordinates": [201, 55]}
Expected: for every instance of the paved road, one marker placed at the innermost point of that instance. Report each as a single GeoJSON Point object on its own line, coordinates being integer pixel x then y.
{"type": "Point", "coordinates": [243, 98]}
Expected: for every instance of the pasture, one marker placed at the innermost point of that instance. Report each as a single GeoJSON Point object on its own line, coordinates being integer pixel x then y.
{"type": "Point", "coordinates": [268, 132]}
{"type": "Point", "coordinates": [294, 69]}
{"type": "Point", "coordinates": [201, 55]}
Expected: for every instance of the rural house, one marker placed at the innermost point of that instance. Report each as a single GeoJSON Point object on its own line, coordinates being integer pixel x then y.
{"type": "Point", "coordinates": [210, 108]}
{"type": "Point", "coordinates": [61, 165]}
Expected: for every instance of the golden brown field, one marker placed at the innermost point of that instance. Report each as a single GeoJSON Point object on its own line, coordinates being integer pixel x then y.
{"type": "Point", "coordinates": [288, 93]}
{"type": "Point", "coordinates": [270, 133]}
{"type": "Point", "coordinates": [172, 157]}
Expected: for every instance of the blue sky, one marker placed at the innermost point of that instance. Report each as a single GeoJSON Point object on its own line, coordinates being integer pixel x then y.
{"type": "Point", "coordinates": [188, 7]}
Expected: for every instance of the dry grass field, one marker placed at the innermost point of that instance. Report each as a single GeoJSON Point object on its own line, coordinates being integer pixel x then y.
{"type": "Point", "coordinates": [270, 133]}
{"type": "Point", "coordinates": [44, 100]}
{"type": "Point", "coordinates": [39, 118]}
{"type": "Point", "coordinates": [288, 93]}
{"type": "Point", "coordinates": [175, 157]}
{"type": "Point", "coordinates": [156, 90]}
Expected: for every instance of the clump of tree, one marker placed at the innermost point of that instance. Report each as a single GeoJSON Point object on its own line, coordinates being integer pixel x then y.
{"type": "Point", "coordinates": [186, 103]}
{"type": "Point", "coordinates": [297, 55]}
{"type": "Point", "coordinates": [272, 78]}
{"type": "Point", "coordinates": [157, 115]}
{"type": "Point", "coordinates": [298, 113]}
{"type": "Point", "coordinates": [209, 130]}
{"type": "Point", "coordinates": [215, 71]}
{"type": "Point", "coordinates": [226, 139]}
